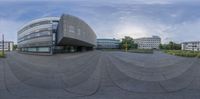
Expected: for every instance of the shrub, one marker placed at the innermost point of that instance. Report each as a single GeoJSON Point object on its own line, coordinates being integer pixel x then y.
{"type": "Point", "coordinates": [198, 55]}
{"type": "Point", "coordinates": [183, 53]}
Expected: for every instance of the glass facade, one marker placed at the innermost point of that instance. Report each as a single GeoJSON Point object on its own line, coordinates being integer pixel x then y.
{"type": "Point", "coordinates": [34, 25]}
{"type": "Point", "coordinates": [36, 49]}
{"type": "Point", "coordinates": [35, 35]}
{"type": "Point", "coordinates": [48, 35]}
{"type": "Point", "coordinates": [38, 36]}
{"type": "Point", "coordinates": [32, 49]}
{"type": "Point", "coordinates": [44, 49]}
{"type": "Point", "coordinates": [108, 43]}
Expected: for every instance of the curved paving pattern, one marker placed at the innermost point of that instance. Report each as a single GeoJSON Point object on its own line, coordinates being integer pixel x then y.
{"type": "Point", "coordinates": [107, 75]}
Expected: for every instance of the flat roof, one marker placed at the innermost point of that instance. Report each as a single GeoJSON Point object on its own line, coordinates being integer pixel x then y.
{"type": "Point", "coordinates": [107, 39]}
{"type": "Point", "coordinates": [7, 41]}
{"type": "Point", "coordinates": [38, 20]}
{"type": "Point", "coordinates": [147, 37]}
{"type": "Point", "coordinates": [191, 42]}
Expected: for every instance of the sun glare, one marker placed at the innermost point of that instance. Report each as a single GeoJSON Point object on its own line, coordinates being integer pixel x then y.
{"type": "Point", "coordinates": [130, 30]}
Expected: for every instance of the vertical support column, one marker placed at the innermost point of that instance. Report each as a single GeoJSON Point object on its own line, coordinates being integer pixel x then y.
{"type": "Point", "coordinates": [9, 46]}
{"type": "Point", "coordinates": [53, 39]}
{"type": "Point", "coordinates": [71, 49]}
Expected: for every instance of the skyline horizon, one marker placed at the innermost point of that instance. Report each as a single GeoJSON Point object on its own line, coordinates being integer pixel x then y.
{"type": "Point", "coordinates": [176, 20]}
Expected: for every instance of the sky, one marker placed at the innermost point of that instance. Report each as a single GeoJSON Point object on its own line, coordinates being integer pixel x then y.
{"type": "Point", "coordinates": [172, 20]}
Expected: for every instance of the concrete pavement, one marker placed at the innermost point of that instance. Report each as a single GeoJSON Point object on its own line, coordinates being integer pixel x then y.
{"type": "Point", "coordinates": [99, 75]}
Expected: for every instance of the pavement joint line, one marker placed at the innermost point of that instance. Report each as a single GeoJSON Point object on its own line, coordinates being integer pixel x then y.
{"type": "Point", "coordinates": [94, 66]}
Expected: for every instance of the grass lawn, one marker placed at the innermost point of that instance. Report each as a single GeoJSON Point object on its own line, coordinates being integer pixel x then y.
{"type": "Point", "coordinates": [110, 49]}
{"type": "Point", "coordinates": [183, 53]}
{"type": "Point", "coordinates": [147, 51]}
{"type": "Point", "coordinates": [1, 55]}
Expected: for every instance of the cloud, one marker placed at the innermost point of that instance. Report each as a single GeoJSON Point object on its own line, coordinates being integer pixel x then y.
{"type": "Point", "coordinates": [169, 19]}
{"type": "Point", "coordinates": [9, 28]}
{"type": "Point", "coordinates": [171, 22]}
{"type": "Point", "coordinates": [187, 31]}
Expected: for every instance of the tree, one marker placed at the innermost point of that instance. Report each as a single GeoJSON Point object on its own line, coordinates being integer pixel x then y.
{"type": "Point", "coordinates": [130, 43]}
{"type": "Point", "coordinates": [14, 47]}
{"type": "Point", "coordinates": [161, 46]}
{"type": "Point", "coordinates": [170, 46]}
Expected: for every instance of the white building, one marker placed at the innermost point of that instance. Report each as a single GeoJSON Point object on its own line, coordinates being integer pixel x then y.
{"type": "Point", "coordinates": [148, 42]}
{"type": "Point", "coordinates": [191, 46]}
{"type": "Point", "coordinates": [8, 45]}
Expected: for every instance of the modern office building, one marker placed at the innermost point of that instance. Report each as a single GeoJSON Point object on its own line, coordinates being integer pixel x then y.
{"type": "Point", "coordinates": [148, 42]}
{"type": "Point", "coordinates": [8, 45]}
{"type": "Point", "coordinates": [108, 43]}
{"type": "Point", "coordinates": [191, 46]}
{"type": "Point", "coordinates": [56, 34]}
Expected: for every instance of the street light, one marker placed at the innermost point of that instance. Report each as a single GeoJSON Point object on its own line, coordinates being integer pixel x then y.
{"type": "Point", "coordinates": [126, 46]}
{"type": "Point", "coordinates": [2, 44]}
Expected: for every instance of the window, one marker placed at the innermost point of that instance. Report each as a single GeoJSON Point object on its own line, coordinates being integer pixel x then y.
{"type": "Point", "coordinates": [32, 49]}
{"type": "Point", "coordinates": [71, 29]}
{"type": "Point", "coordinates": [79, 31]}
{"type": "Point", "coordinates": [44, 33]}
{"type": "Point", "coordinates": [43, 49]}
{"type": "Point", "coordinates": [33, 25]}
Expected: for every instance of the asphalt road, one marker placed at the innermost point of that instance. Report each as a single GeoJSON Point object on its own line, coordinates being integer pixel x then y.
{"type": "Point", "coordinates": [99, 75]}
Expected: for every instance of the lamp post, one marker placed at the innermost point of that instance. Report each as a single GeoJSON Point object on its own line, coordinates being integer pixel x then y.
{"type": "Point", "coordinates": [2, 44]}
{"type": "Point", "coordinates": [126, 46]}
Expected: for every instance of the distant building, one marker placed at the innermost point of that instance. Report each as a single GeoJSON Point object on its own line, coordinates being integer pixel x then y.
{"type": "Point", "coordinates": [108, 43]}
{"type": "Point", "coordinates": [191, 46]}
{"type": "Point", "coordinates": [148, 42]}
{"type": "Point", "coordinates": [8, 45]}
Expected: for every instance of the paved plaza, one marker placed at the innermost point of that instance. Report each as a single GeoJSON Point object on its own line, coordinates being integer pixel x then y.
{"type": "Point", "coordinates": [99, 75]}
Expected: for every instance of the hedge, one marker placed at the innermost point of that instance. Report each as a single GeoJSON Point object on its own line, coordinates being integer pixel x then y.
{"type": "Point", "coordinates": [183, 53]}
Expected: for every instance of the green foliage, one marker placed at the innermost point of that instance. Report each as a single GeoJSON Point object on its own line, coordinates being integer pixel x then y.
{"type": "Point", "coordinates": [14, 47]}
{"type": "Point", "coordinates": [170, 46]}
{"type": "Point", "coordinates": [148, 51]}
{"type": "Point", "coordinates": [183, 53]}
{"type": "Point", "coordinates": [130, 43]}
{"type": "Point", "coordinates": [110, 49]}
{"type": "Point", "coordinates": [198, 55]}
{"type": "Point", "coordinates": [1, 55]}
{"type": "Point", "coordinates": [161, 46]}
